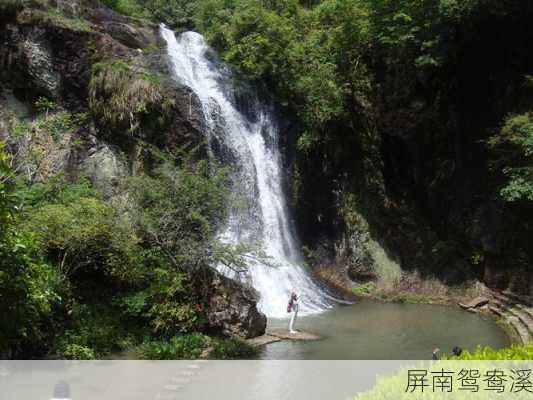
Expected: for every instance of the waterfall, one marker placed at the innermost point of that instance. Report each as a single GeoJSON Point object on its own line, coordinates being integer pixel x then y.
{"type": "Point", "coordinates": [251, 139]}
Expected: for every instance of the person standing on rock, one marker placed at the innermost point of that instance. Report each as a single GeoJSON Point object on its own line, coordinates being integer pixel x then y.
{"type": "Point", "coordinates": [293, 307]}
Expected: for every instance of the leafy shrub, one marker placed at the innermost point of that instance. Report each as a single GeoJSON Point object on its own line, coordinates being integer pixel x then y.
{"type": "Point", "coordinates": [513, 148]}
{"type": "Point", "coordinates": [176, 212]}
{"type": "Point", "coordinates": [76, 352]}
{"type": "Point", "coordinates": [79, 232]}
{"type": "Point", "coordinates": [176, 348]}
{"type": "Point", "coordinates": [98, 327]}
{"type": "Point", "coordinates": [232, 348]}
{"type": "Point", "coordinates": [364, 289]}
{"type": "Point", "coordinates": [29, 287]}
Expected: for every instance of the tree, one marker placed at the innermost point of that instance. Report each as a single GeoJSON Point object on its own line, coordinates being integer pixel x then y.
{"type": "Point", "coordinates": [513, 149]}
{"type": "Point", "coordinates": [28, 286]}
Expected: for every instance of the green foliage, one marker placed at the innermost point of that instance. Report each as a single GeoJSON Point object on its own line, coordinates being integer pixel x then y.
{"type": "Point", "coordinates": [185, 347]}
{"type": "Point", "coordinates": [79, 233]}
{"type": "Point", "coordinates": [393, 387]}
{"type": "Point", "coordinates": [28, 286]}
{"type": "Point", "coordinates": [58, 124]}
{"type": "Point", "coordinates": [171, 302]}
{"type": "Point", "coordinates": [108, 277]}
{"type": "Point", "coordinates": [41, 143]}
{"type": "Point", "coordinates": [232, 348]}
{"type": "Point", "coordinates": [179, 208]}
{"type": "Point", "coordinates": [45, 105]}
{"type": "Point", "coordinates": [364, 289]}
{"type": "Point", "coordinates": [174, 13]}
{"type": "Point", "coordinates": [515, 352]}
{"type": "Point", "coordinates": [312, 58]}
{"type": "Point", "coordinates": [133, 8]}
{"type": "Point", "coordinates": [176, 213]}
{"type": "Point", "coordinates": [76, 352]}
{"type": "Point", "coordinates": [192, 346]}
{"type": "Point", "coordinates": [46, 14]}
{"type": "Point", "coordinates": [100, 328]}
{"type": "Point", "coordinates": [55, 124]}
{"type": "Point", "coordinates": [513, 149]}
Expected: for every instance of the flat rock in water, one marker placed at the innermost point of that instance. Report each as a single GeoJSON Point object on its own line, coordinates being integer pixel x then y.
{"type": "Point", "coordinates": [262, 340]}
{"type": "Point", "coordinates": [286, 335]}
{"type": "Point", "coordinates": [477, 302]}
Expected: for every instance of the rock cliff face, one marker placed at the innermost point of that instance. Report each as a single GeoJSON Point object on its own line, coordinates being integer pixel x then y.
{"type": "Point", "coordinates": [88, 59]}
{"type": "Point", "coordinates": [233, 309]}
{"type": "Point", "coordinates": [440, 211]}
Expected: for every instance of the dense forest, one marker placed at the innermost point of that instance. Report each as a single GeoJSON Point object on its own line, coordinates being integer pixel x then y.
{"type": "Point", "coordinates": [408, 121]}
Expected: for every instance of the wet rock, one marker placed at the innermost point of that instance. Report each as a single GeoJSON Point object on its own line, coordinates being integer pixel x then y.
{"type": "Point", "coordinates": [131, 36]}
{"type": "Point", "coordinates": [286, 335]}
{"type": "Point", "coordinates": [40, 68]}
{"type": "Point", "coordinates": [232, 309]}
{"type": "Point", "coordinates": [263, 340]}
{"type": "Point", "coordinates": [475, 303]}
{"type": "Point", "coordinates": [105, 168]}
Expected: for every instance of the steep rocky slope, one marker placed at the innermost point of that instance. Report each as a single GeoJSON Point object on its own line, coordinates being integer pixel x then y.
{"type": "Point", "coordinates": [111, 73]}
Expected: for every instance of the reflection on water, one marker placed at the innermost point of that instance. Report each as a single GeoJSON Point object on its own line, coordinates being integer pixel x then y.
{"type": "Point", "coordinates": [381, 331]}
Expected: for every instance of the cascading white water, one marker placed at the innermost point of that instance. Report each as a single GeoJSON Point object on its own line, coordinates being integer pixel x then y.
{"type": "Point", "coordinates": [253, 144]}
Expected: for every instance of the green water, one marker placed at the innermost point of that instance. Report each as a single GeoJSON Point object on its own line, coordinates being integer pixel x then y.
{"type": "Point", "coordinates": [379, 331]}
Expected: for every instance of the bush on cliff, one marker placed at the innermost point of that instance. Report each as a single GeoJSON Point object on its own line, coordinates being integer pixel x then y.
{"type": "Point", "coordinates": [123, 98]}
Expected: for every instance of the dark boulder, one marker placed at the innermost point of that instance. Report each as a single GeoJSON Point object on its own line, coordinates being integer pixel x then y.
{"type": "Point", "coordinates": [232, 309]}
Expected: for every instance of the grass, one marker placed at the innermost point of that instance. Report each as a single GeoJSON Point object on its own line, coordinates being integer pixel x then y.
{"type": "Point", "coordinates": [122, 97]}
{"type": "Point", "coordinates": [514, 352]}
{"type": "Point", "coordinates": [194, 346]}
{"type": "Point", "coordinates": [232, 348]}
{"type": "Point", "coordinates": [185, 347]}
{"type": "Point", "coordinates": [53, 17]}
{"type": "Point", "coordinates": [411, 298]}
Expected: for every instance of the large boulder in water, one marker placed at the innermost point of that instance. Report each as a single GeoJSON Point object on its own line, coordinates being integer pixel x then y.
{"type": "Point", "coordinates": [232, 309]}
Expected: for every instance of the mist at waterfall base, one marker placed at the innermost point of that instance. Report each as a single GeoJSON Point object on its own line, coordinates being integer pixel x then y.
{"type": "Point", "coordinates": [250, 141]}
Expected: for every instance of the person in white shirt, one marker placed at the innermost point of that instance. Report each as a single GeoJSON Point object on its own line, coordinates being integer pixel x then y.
{"type": "Point", "coordinates": [293, 308]}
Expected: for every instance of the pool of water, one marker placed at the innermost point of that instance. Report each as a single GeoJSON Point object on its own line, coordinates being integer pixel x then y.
{"type": "Point", "coordinates": [380, 331]}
